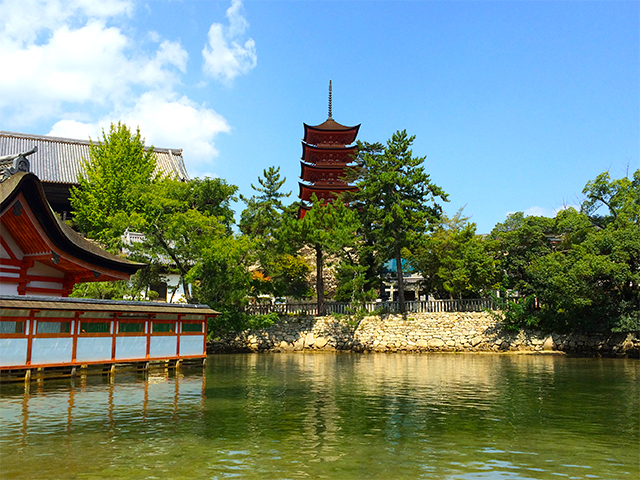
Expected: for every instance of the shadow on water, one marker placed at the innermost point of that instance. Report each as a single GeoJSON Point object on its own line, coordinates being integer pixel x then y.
{"type": "Point", "coordinates": [332, 416]}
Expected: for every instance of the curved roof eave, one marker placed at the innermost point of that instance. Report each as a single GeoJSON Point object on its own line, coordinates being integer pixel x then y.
{"type": "Point", "coordinates": [61, 235]}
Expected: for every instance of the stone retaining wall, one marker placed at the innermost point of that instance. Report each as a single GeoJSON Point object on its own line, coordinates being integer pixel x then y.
{"type": "Point", "coordinates": [428, 332]}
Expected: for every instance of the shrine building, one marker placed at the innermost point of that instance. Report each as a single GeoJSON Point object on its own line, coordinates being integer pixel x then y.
{"type": "Point", "coordinates": [41, 259]}
{"type": "Point", "coordinates": [328, 150]}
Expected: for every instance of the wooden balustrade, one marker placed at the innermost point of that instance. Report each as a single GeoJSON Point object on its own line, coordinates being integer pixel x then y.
{"type": "Point", "coordinates": [427, 306]}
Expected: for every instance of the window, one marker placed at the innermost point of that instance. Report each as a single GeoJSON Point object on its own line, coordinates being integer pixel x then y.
{"type": "Point", "coordinates": [11, 327]}
{"type": "Point", "coordinates": [163, 327]}
{"type": "Point", "coordinates": [131, 327]}
{"type": "Point", "coordinates": [192, 327]}
{"type": "Point", "coordinates": [95, 327]}
{"type": "Point", "coordinates": [54, 327]}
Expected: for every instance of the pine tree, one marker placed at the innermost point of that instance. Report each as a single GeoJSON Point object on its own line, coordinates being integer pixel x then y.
{"type": "Point", "coordinates": [396, 199]}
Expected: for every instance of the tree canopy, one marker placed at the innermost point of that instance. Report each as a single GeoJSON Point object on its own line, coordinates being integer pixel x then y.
{"type": "Point", "coordinates": [396, 198]}
{"type": "Point", "coordinates": [108, 182]}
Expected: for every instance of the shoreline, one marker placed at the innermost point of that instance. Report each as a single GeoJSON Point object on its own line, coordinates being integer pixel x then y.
{"type": "Point", "coordinates": [456, 332]}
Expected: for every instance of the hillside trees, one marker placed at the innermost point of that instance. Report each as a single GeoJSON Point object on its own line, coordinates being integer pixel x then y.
{"type": "Point", "coordinates": [454, 261]}
{"type": "Point", "coordinates": [329, 229]}
{"type": "Point", "coordinates": [179, 220]}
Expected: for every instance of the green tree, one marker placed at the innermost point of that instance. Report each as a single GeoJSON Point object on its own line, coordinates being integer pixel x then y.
{"type": "Point", "coordinates": [329, 229]}
{"type": "Point", "coordinates": [108, 182]}
{"type": "Point", "coordinates": [280, 271]}
{"type": "Point", "coordinates": [263, 213]}
{"type": "Point", "coordinates": [588, 277]}
{"type": "Point", "coordinates": [519, 240]}
{"type": "Point", "coordinates": [179, 220]}
{"type": "Point", "coordinates": [396, 199]}
{"type": "Point", "coordinates": [454, 261]}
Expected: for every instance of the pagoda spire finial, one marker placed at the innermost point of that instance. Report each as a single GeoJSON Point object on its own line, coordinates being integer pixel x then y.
{"type": "Point", "coordinates": [330, 99]}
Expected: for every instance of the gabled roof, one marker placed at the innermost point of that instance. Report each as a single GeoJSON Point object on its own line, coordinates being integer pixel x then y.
{"type": "Point", "coordinates": [57, 160]}
{"type": "Point", "coordinates": [28, 218]}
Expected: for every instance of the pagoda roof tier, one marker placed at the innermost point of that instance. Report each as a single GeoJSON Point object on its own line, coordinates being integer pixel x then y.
{"type": "Point", "coordinates": [27, 218]}
{"type": "Point", "coordinates": [330, 133]}
{"type": "Point", "coordinates": [322, 173]}
{"type": "Point", "coordinates": [324, 192]}
{"type": "Point", "coordinates": [334, 154]}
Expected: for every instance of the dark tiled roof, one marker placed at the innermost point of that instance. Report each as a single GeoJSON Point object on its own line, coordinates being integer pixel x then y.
{"type": "Point", "coordinates": [58, 159]}
{"type": "Point", "coordinates": [28, 302]}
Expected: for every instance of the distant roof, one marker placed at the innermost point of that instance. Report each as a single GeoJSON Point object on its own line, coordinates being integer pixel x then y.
{"type": "Point", "coordinates": [58, 159]}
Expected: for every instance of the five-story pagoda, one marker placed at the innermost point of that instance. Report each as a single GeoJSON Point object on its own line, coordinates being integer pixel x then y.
{"type": "Point", "coordinates": [327, 151]}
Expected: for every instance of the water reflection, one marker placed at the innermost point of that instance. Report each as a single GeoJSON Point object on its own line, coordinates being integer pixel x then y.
{"type": "Point", "coordinates": [333, 416]}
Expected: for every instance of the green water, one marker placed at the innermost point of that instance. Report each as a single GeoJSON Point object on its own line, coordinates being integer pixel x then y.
{"type": "Point", "coordinates": [334, 416]}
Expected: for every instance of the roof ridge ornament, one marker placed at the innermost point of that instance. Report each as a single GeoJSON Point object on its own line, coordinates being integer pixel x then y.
{"type": "Point", "coordinates": [330, 118]}
{"type": "Point", "coordinates": [20, 164]}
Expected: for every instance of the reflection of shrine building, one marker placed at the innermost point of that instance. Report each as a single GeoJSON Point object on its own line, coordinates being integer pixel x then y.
{"type": "Point", "coordinates": [41, 259]}
{"type": "Point", "coordinates": [327, 153]}
{"type": "Point", "coordinates": [98, 405]}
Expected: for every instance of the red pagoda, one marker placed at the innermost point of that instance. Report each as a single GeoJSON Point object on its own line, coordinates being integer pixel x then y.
{"type": "Point", "coordinates": [327, 151]}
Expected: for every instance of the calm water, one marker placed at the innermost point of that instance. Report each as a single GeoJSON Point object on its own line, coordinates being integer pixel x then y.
{"type": "Point", "coordinates": [332, 416]}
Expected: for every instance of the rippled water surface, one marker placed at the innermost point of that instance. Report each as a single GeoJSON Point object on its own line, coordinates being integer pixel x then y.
{"type": "Point", "coordinates": [334, 416]}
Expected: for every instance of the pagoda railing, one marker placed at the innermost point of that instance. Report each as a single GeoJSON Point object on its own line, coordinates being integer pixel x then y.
{"type": "Point", "coordinates": [427, 306]}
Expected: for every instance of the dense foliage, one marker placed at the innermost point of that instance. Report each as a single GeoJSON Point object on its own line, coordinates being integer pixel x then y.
{"type": "Point", "coordinates": [578, 271]}
{"type": "Point", "coordinates": [109, 181]}
{"type": "Point", "coordinates": [396, 199]}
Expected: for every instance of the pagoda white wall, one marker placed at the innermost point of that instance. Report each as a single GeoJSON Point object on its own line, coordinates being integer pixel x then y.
{"type": "Point", "coordinates": [12, 245]}
{"type": "Point", "coordinates": [39, 269]}
{"type": "Point", "coordinates": [5, 287]}
{"type": "Point", "coordinates": [8, 289]}
{"type": "Point", "coordinates": [172, 281]}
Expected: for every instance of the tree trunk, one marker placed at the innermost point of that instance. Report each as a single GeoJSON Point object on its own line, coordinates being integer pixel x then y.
{"type": "Point", "coordinates": [320, 280]}
{"type": "Point", "coordinates": [401, 304]}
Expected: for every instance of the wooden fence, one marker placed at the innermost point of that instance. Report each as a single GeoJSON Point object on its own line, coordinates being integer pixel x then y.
{"type": "Point", "coordinates": [428, 306]}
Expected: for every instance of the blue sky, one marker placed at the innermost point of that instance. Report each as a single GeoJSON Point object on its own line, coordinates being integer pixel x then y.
{"type": "Point", "coordinates": [515, 104]}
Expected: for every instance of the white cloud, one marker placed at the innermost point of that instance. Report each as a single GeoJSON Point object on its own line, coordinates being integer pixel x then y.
{"type": "Point", "coordinates": [224, 57]}
{"type": "Point", "coordinates": [536, 211]}
{"type": "Point", "coordinates": [165, 120]}
{"type": "Point", "coordinates": [75, 129]}
{"type": "Point", "coordinates": [77, 63]}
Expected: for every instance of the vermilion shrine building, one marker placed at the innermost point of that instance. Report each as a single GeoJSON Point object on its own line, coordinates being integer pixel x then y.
{"type": "Point", "coordinates": [41, 259]}
{"type": "Point", "coordinates": [327, 151]}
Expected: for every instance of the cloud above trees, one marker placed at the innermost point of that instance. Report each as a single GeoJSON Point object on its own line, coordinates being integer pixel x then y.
{"type": "Point", "coordinates": [78, 65]}
{"type": "Point", "coordinates": [224, 57]}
